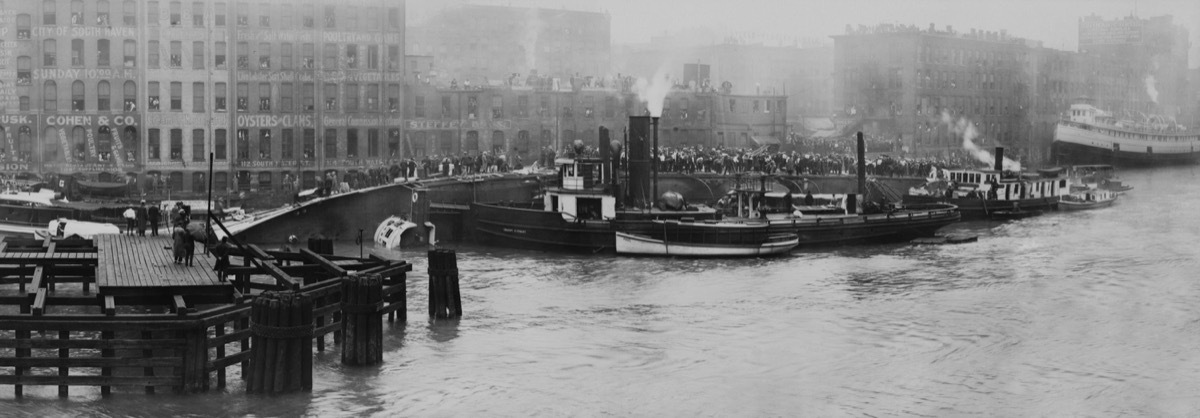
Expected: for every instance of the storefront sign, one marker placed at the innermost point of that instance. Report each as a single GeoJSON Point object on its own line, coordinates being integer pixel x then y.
{"type": "Point", "coordinates": [420, 124]}
{"type": "Point", "coordinates": [275, 121]}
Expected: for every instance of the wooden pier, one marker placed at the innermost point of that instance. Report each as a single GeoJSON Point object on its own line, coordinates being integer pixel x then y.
{"type": "Point", "coordinates": [117, 312]}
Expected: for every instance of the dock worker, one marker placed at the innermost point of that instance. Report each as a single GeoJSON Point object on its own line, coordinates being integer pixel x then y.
{"type": "Point", "coordinates": [141, 219]}
{"type": "Point", "coordinates": [130, 216]}
{"type": "Point", "coordinates": [154, 215]}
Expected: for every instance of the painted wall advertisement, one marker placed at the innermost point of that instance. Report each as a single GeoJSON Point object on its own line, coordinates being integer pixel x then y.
{"type": "Point", "coordinates": [89, 143]}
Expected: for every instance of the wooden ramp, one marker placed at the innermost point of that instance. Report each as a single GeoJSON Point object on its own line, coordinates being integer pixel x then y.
{"type": "Point", "coordinates": [134, 268]}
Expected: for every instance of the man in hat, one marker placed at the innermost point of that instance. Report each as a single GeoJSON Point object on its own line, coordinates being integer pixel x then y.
{"type": "Point", "coordinates": [141, 219]}
{"type": "Point", "coordinates": [154, 215]}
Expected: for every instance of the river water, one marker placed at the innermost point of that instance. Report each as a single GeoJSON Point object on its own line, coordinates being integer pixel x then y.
{"type": "Point", "coordinates": [1073, 313]}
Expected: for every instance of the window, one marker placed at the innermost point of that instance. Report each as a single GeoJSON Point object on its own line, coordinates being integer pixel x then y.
{"type": "Point", "coordinates": [394, 19]}
{"type": "Point", "coordinates": [154, 144]}
{"type": "Point", "coordinates": [286, 144]}
{"type": "Point", "coordinates": [285, 56]}
{"type": "Point", "coordinates": [419, 106]}
{"type": "Point", "coordinates": [197, 14]}
{"type": "Point", "coordinates": [330, 96]}
{"type": "Point", "coordinates": [177, 145]}
{"type": "Point", "coordinates": [24, 71]}
{"type": "Point", "coordinates": [351, 17]}
{"type": "Point", "coordinates": [176, 95]}
{"type": "Point", "coordinates": [130, 102]}
{"type": "Point", "coordinates": [219, 56]}
{"type": "Point", "coordinates": [78, 144]}
{"type": "Point", "coordinates": [219, 144]}
{"type": "Point", "coordinates": [352, 143]}
{"type": "Point", "coordinates": [522, 106]}
{"type": "Point", "coordinates": [176, 19]}
{"type": "Point", "coordinates": [309, 102]}
{"type": "Point", "coordinates": [497, 107]}
{"type": "Point", "coordinates": [307, 53]}
{"type": "Point", "coordinates": [49, 12]}
{"type": "Point", "coordinates": [219, 93]}
{"type": "Point", "coordinates": [76, 12]}
{"type": "Point", "coordinates": [610, 107]}
{"type": "Point", "coordinates": [286, 17]}
{"type": "Point", "coordinates": [544, 106]}
{"type": "Point", "coordinates": [264, 56]}
{"type": "Point", "coordinates": [103, 96]}
{"type": "Point", "coordinates": [307, 18]}
{"type": "Point", "coordinates": [198, 97]}
{"type": "Point", "coordinates": [372, 143]}
{"type": "Point", "coordinates": [351, 93]}
{"type": "Point", "coordinates": [152, 51]}
{"type": "Point", "coordinates": [104, 143]}
{"type": "Point", "coordinates": [198, 145]}
{"type": "Point", "coordinates": [331, 56]}
{"type": "Point", "coordinates": [243, 56]}
{"type": "Point", "coordinates": [129, 16]}
{"type": "Point", "coordinates": [152, 14]}
{"type": "Point", "coordinates": [219, 16]}
{"type": "Point", "coordinates": [264, 17]}
{"type": "Point", "coordinates": [243, 14]}
{"type": "Point", "coordinates": [330, 144]}
{"type": "Point", "coordinates": [49, 53]}
{"type": "Point", "coordinates": [351, 55]}
{"type": "Point", "coordinates": [77, 96]}
{"type": "Point", "coordinates": [264, 144]}
{"type": "Point", "coordinates": [373, 57]}
{"type": "Point", "coordinates": [330, 17]}
{"type": "Point", "coordinates": [588, 106]}
{"type": "Point", "coordinates": [310, 144]}
{"type": "Point", "coordinates": [472, 107]}
{"type": "Point", "coordinates": [176, 54]}
{"type": "Point", "coordinates": [264, 97]}
{"type": "Point", "coordinates": [77, 52]}
{"type": "Point", "coordinates": [243, 144]}
{"type": "Point", "coordinates": [130, 53]}
{"type": "Point", "coordinates": [102, 13]}
{"type": "Point", "coordinates": [24, 23]}
{"type": "Point", "coordinates": [285, 97]}
{"type": "Point", "coordinates": [198, 55]}
{"type": "Point", "coordinates": [243, 97]}
{"type": "Point", "coordinates": [394, 57]}
{"type": "Point", "coordinates": [49, 96]}
{"type": "Point", "coordinates": [393, 143]}
{"type": "Point", "coordinates": [393, 98]}
{"type": "Point", "coordinates": [372, 98]}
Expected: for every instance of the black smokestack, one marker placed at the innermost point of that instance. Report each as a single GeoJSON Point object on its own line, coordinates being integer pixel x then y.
{"type": "Point", "coordinates": [605, 152]}
{"type": "Point", "coordinates": [654, 160]}
{"type": "Point", "coordinates": [639, 153]}
{"type": "Point", "coordinates": [862, 165]}
{"type": "Point", "coordinates": [999, 158]}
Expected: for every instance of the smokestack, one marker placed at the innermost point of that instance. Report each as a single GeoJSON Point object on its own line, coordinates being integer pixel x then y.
{"type": "Point", "coordinates": [862, 165]}
{"type": "Point", "coordinates": [605, 153]}
{"type": "Point", "coordinates": [999, 158]}
{"type": "Point", "coordinates": [640, 141]}
{"type": "Point", "coordinates": [654, 161]}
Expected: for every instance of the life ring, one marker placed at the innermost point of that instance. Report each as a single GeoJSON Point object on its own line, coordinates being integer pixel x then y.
{"type": "Point", "coordinates": [754, 214]}
{"type": "Point", "coordinates": [414, 197]}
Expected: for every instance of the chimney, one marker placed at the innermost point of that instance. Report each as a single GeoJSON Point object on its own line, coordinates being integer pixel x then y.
{"type": "Point", "coordinates": [862, 165]}
{"type": "Point", "coordinates": [640, 141]}
{"type": "Point", "coordinates": [999, 158]}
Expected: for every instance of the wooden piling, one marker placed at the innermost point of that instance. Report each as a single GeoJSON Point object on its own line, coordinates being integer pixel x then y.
{"type": "Point", "coordinates": [445, 300]}
{"type": "Point", "coordinates": [362, 319]}
{"type": "Point", "coordinates": [281, 343]}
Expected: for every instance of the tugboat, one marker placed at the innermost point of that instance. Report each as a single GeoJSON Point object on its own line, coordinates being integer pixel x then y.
{"type": "Point", "coordinates": [1099, 176]}
{"type": "Point", "coordinates": [984, 194]}
{"type": "Point", "coordinates": [1091, 135]}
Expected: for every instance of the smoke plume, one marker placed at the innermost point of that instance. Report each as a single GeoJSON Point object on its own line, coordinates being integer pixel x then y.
{"type": "Point", "coordinates": [1150, 89]}
{"type": "Point", "coordinates": [532, 31]}
{"type": "Point", "coordinates": [966, 129]}
{"type": "Point", "coordinates": [654, 91]}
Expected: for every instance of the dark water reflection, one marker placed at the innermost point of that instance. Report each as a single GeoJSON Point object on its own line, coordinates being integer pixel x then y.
{"type": "Point", "coordinates": [1067, 314]}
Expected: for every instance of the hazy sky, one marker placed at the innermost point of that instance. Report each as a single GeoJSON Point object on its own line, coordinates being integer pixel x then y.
{"type": "Point", "coordinates": [1055, 22]}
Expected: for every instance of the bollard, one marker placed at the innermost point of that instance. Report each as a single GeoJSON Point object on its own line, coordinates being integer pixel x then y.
{"type": "Point", "coordinates": [362, 320]}
{"type": "Point", "coordinates": [445, 301]}
{"type": "Point", "coordinates": [323, 246]}
{"type": "Point", "coordinates": [281, 344]}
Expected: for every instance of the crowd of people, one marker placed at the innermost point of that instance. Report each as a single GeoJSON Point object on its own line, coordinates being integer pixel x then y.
{"type": "Point", "coordinates": [734, 160]}
{"type": "Point", "coordinates": [140, 217]}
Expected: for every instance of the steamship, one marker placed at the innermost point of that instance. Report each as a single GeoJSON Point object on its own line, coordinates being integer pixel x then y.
{"type": "Point", "coordinates": [993, 194]}
{"type": "Point", "coordinates": [1092, 136]}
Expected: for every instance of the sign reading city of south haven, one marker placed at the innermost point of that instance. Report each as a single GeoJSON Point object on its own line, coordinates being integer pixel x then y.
{"type": "Point", "coordinates": [459, 124]}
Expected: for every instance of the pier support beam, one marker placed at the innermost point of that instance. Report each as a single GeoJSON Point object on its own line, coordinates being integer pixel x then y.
{"type": "Point", "coordinates": [282, 329]}
{"type": "Point", "coordinates": [445, 301]}
{"type": "Point", "coordinates": [362, 319]}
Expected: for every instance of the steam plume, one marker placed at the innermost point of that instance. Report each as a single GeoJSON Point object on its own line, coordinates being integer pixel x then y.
{"type": "Point", "coordinates": [1150, 89]}
{"type": "Point", "coordinates": [654, 91]}
{"type": "Point", "coordinates": [966, 129]}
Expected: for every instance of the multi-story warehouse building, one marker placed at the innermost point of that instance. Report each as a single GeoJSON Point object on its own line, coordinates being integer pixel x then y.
{"type": "Point", "coordinates": [520, 120]}
{"type": "Point", "coordinates": [275, 90]}
{"type": "Point", "coordinates": [900, 80]}
{"type": "Point", "coordinates": [473, 42]}
{"type": "Point", "coordinates": [1135, 65]}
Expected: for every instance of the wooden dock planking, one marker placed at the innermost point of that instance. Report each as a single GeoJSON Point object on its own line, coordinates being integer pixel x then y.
{"type": "Point", "coordinates": [133, 265]}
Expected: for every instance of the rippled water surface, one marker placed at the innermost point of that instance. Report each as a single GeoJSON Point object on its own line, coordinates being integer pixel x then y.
{"type": "Point", "coordinates": [1084, 313]}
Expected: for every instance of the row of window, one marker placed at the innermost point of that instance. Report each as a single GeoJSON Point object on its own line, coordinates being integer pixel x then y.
{"type": "Point", "coordinates": [100, 13]}
{"type": "Point", "coordinates": [335, 56]}
{"type": "Point", "coordinates": [260, 145]}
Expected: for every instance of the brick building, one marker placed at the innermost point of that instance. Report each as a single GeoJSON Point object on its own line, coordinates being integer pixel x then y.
{"type": "Point", "coordinates": [1136, 65]}
{"type": "Point", "coordinates": [276, 90]}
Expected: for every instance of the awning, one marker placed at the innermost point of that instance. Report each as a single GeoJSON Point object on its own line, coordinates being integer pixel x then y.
{"type": "Point", "coordinates": [765, 140]}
